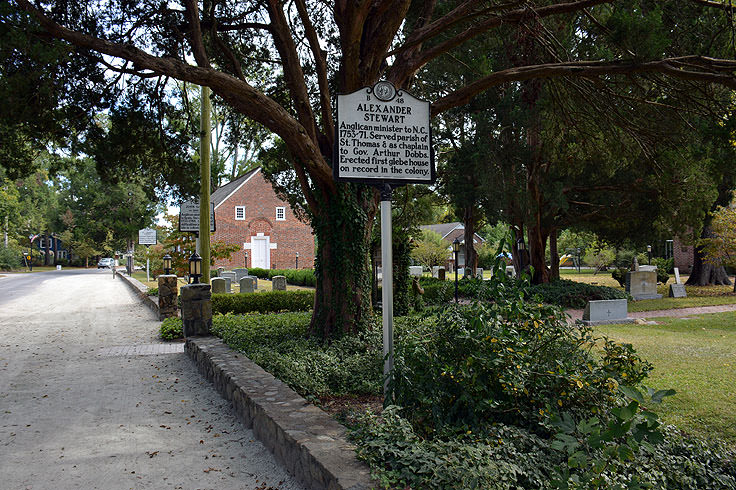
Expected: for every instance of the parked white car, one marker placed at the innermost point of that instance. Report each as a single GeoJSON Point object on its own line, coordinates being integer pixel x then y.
{"type": "Point", "coordinates": [106, 263]}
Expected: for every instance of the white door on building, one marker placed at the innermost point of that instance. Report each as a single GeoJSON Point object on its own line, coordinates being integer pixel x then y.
{"type": "Point", "coordinates": [261, 252]}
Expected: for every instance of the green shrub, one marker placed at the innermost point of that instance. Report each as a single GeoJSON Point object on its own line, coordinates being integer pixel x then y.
{"type": "Point", "coordinates": [508, 361]}
{"type": "Point", "coordinates": [152, 292]}
{"type": "Point", "coordinates": [620, 275]}
{"type": "Point", "coordinates": [296, 277]}
{"type": "Point", "coordinates": [664, 265]}
{"type": "Point", "coordinates": [263, 302]}
{"type": "Point", "coordinates": [280, 344]}
{"type": "Point", "coordinates": [171, 329]}
{"type": "Point", "coordinates": [258, 272]}
{"type": "Point", "coordinates": [10, 258]}
{"type": "Point", "coordinates": [570, 294]}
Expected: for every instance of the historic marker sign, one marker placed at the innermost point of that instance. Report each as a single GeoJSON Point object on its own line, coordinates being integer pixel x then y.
{"type": "Point", "coordinates": [147, 236]}
{"type": "Point", "coordinates": [383, 135]}
{"type": "Point", "coordinates": [189, 217]}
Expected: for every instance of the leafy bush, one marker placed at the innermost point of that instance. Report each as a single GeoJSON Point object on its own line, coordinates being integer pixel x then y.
{"type": "Point", "coordinates": [508, 361]}
{"type": "Point", "coordinates": [152, 292]}
{"type": "Point", "coordinates": [571, 294]}
{"type": "Point", "coordinates": [665, 265]}
{"type": "Point", "coordinates": [263, 302]}
{"type": "Point", "coordinates": [171, 329]}
{"type": "Point", "coordinates": [280, 344]}
{"type": "Point", "coordinates": [620, 275]}
{"type": "Point", "coordinates": [10, 258]}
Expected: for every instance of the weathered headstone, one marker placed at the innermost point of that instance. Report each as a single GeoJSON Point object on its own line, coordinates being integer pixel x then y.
{"type": "Point", "coordinates": [167, 295]}
{"type": "Point", "coordinates": [220, 270]}
{"type": "Point", "coordinates": [677, 291]}
{"type": "Point", "coordinates": [606, 311]}
{"type": "Point", "coordinates": [441, 273]}
{"type": "Point", "coordinates": [196, 309]}
{"type": "Point", "coordinates": [642, 285]}
{"type": "Point", "coordinates": [233, 277]}
{"type": "Point", "coordinates": [479, 273]}
{"type": "Point", "coordinates": [648, 268]}
{"type": "Point", "coordinates": [247, 285]}
{"type": "Point", "coordinates": [279, 283]}
{"type": "Point", "coordinates": [219, 285]}
{"type": "Point", "coordinates": [677, 275]}
{"type": "Point", "coordinates": [255, 281]}
{"type": "Point", "coordinates": [415, 270]}
{"type": "Point", "coordinates": [240, 273]}
{"type": "Point", "coordinates": [435, 271]}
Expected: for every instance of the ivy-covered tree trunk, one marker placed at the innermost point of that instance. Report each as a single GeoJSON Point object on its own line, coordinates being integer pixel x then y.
{"type": "Point", "coordinates": [705, 274]}
{"type": "Point", "coordinates": [342, 301]}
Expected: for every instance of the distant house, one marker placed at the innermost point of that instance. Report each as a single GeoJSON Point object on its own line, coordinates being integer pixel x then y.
{"type": "Point", "coordinates": [50, 248]}
{"type": "Point", "coordinates": [683, 254]}
{"type": "Point", "coordinates": [449, 232]}
{"type": "Point", "coordinates": [250, 215]}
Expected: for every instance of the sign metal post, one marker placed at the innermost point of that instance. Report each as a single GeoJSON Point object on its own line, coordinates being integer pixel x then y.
{"type": "Point", "coordinates": [147, 237]}
{"type": "Point", "coordinates": [383, 138]}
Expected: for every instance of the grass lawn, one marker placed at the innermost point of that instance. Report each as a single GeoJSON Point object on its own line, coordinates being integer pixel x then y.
{"type": "Point", "coordinates": [697, 357]}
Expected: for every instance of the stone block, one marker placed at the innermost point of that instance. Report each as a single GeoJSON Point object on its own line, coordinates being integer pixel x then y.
{"type": "Point", "coordinates": [642, 285]}
{"type": "Point", "coordinates": [239, 274]}
{"type": "Point", "coordinates": [677, 276]}
{"type": "Point", "coordinates": [415, 270]}
{"type": "Point", "coordinates": [168, 291]}
{"type": "Point", "coordinates": [677, 291]}
{"type": "Point", "coordinates": [647, 268]}
{"type": "Point", "coordinates": [229, 274]}
{"type": "Point", "coordinates": [441, 273]}
{"type": "Point", "coordinates": [247, 285]}
{"type": "Point", "coordinates": [255, 281]}
{"type": "Point", "coordinates": [278, 283]}
{"type": "Point", "coordinates": [435, 271]}
{"type": "Point", "coordinates": [606, 311]}
{"type": "Point", "coordinates": [196, 309]}
{"type": "Point", "coordinates": [219, 285]}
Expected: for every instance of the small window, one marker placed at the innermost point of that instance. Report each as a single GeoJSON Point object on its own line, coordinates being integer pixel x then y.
{"type": "Point", "coordinates": [41, 243]}
{"type": "Point", "coordinates": [280, 214]}
{"type": "Point", "coordinates": [240, 212]}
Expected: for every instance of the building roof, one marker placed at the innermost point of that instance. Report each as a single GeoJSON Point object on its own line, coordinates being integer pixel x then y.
{"type": "Point", "coordinates": [443, 229]}
{"type": "Point", "coordinates": [222, 193]}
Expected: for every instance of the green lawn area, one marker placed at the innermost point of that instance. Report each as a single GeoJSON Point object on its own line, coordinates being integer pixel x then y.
{"type": "Point", "coordinates": [697, 357]}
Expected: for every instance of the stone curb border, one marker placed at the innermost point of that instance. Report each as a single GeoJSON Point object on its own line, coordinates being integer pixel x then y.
{"type": "Point", "coordinates": [140, 290]}
{"type": "Point", "coordinates": [311, 445]}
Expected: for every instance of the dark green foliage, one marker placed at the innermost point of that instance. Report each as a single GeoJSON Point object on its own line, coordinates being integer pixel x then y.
{"type": "Point", "coordinates": [666, 265]}
{"type": "Point", "coordinates": [10, 259]}
{"type": "Point", "coordinates": [263, 302]}
{"type": "Point", "coordinates": [507, 361]}
{"type": "Point", "coordinates": [171, 329]}
{"type": "Point", "coordinates": [297, 277]}
{"type": "Point", "coordinates": [152, 292]}
{"type": "Point", "coordinates": [281, 345]}
{"type": "Point", "coordinates": [620, 275]}
{"type": "Point", "coordinates": [570, 294]}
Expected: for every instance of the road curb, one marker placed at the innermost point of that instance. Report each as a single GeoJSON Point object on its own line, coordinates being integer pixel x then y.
{"type": "Point", "coordinates": [310, 444]}
{"type": "Point", "coordinates": [141, 291]}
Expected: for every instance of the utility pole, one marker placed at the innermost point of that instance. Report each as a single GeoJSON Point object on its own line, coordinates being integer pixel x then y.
{"type": "Point", "coordinates": [204, 193]}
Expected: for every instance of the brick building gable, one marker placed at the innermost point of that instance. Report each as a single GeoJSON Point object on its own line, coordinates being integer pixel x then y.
{"type": "Point", "coordinates": [250, 215]}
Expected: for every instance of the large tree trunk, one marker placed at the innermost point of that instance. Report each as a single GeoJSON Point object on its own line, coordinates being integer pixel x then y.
{"type": "Point", "coordinates": [471, 256]}
{"type": "Point", "coordinates": [554, 273]}
{"type": "Point", "coordinates": [342, 301]}
{"type": "Point", "coordinates": [705, 274]}
{"type": "Point", "coordinates": [537, 247]}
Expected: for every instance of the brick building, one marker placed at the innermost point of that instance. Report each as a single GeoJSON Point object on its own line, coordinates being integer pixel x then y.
{"type": "Point", "coordinates": [249, 214]}
{"type": "Point", "coordinates": [684, 255]}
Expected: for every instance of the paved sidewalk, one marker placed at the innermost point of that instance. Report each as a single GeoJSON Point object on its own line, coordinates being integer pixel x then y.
{"type": "Point", "coordinates": [90, 399]}
{"type": "Point", "coordinates": [674, 312]}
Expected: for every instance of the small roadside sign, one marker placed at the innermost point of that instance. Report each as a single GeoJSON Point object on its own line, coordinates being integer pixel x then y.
{"type": "Point", "coordinates": [147, 236]}
{"type": "Point", "coordinates": [189, 217]}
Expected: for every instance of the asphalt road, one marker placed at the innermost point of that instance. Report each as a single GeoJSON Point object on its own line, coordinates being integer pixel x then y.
{"type": "Point", "coordinates": [90, 399]}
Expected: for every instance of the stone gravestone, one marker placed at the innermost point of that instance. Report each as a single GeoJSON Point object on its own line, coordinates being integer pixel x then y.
{"type": "Point", "coordinates": [441, 273]}
{"type": "Point", "coordinates": [479, 273]}
{"type": "Point", "coordinates": [510, 271]}
{"type": "Point", "coordinates": [677, 275]}
{"type": "Point", "coordinates": [220, 270]}
{"type": "Point", "coordinates": [230, 277]}
{"type": "Point", "coordinates": [435, 271]}
{"type": "Point", "coordinates": [219, 285]}
{"type": "Point", "coordinates": [240, 273]}
{"type": "Point", "coordinates": [196, 309]}
{"type": "Point", "coordinates": [415, 270]}
{"type": "Point", "coordinates": [642, 285]}
{"type": "Point", "coordinates": [648, 268]}
{"type": "Point", "coordinates": [677, 290]}
{"type": "Point", "coordinates": [279, 283]}
{"type": "Point", "coordinates": [606, 311]}
{"type": "Point", "coordinates": [255, 281]}
{"type": "Point", "coordinates": [246, 285]}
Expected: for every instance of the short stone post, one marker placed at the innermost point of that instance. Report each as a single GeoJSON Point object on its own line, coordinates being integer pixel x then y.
{"type": "Point", "coordinates": [246, 285]}
{"type": "Point", "coordinates": [279, 283]}
{"type": "Point", "coordinates": [441, 273]}
{"type": "Point", "coordinates": [196, 309]}
{"type": "Point", "coordinates": [168, 291]}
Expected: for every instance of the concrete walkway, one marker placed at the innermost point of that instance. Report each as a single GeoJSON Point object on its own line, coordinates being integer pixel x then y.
{"type": "Point", "coordinates": [90, 399]}
{"type": "Point", "coordinates": [674, 312]}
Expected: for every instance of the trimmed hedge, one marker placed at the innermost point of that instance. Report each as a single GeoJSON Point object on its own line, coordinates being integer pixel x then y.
{"type": "Point", "coordinates": [264, 302]}
{"type": "Point", "coordinates": [571, 294]}
{"type": "Point", "coordinates": [296, 277]}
